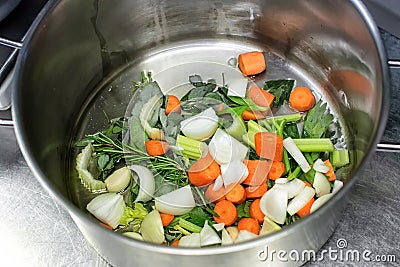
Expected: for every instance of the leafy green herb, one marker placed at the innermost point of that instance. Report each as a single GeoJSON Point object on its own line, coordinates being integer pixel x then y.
{"type": "Point", "coordinates": [280, 89]}
{"type": "Point", "coordinates": [316, 122]}
{"type": "Point", "coordinates": [291, 218]}
{"type": "Point", "coordinates": [270, 183]}
{"type": "Point", "coordinates": [146, 78]}
{"type": "Point", "coordinates": [244, 209]}
{"type": "Point", "coordinates": [133, 216]}
{"type": "Point", "coordinates": [291, 130]}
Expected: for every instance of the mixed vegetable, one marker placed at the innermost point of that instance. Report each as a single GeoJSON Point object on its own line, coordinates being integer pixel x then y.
{"type": "Point", "coordinates": [219, 165]}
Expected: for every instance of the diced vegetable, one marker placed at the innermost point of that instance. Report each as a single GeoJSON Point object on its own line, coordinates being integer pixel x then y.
{"type": "Point", "coordinates": [277, 170]}
{"type": "Point", "coordinates": [269, 145]}
{"type": "Point", "coordinates": [269, 226]}
{"type": "Point", "coordinates": [321, 184]}
{"type": "Point", "coordinates": [204, 171]}
{"type": "Point", "coordinates": [300, 200]}
{"type": "Point", "coordinates": [253, 115]}
{"type": "Point", "coordinates": [249, 224]}
{"type": "Point", "coordinates": [238, 128]}
{"type": "Point", "coordinates": [260, 97]}
{"type": "Point", "coordinates": [274, 204]}
{"type": "Point", "coordinates": [320, 166]}
{"type": "Point", "coordinates": [237, 87]}
{"type": "Point", "coordinates": [337, 185]}
{"type": "Point", "coordinates": [236, 195]}
{"type": "Point", "coordinates": [166, 218]}
{"type": "Point", "coordinates": [227, 212]}
{"type": "Point", "coordinates": [146, 183]}
{"type": "Point", "coordinates": [294, 187]}
{"type": "Point", "coordinates": [256, 212]}
{"type": "Point", "coordinates": [245, 235]}
{"type": "Point", "coordinates": [331, 173]}
{"type": "Point", "coordinates": [173, 104]}
{"type": "Point", "coordinates": [177, 202]}
{"type": "Point", "coordinates": [226, 238]}
{"type": "Point", "coordinates": [320, 201]}
{"type": "Point", "coordinates": [305, 211]}
{"type": "Point", "coordinates": [191, 148]}
{"type": "Point", "coordinates": [294, 151]}
{"type": "Point", "coordinates": [302, 99]}
{"type": "Point", "coordinates": [201, 126]}
{"type": "Point", "coordinates": [215, 195]}
{"type": "Point", "coordinates": [224, 148]}
{"type": "Point", "coordinates": [233, 232]}
{"type": "Point", "coordinates": [133, 216]}
{"type": "Point", "coordinates": [234, 172]}
{"type": "Point", "coordinates": [340, 158]}
{"type": "Point", "coordinates": [316, 121]}
{"type": "Point", "coordinates": [251, 63]}
{"type": "Point", "coordinates": [146, 113]}
{"type": "Point", "coordinates": [253, 128]}
{"type": "Point", "coordinates": [192, 240]}
{"type": "Point", "coordinates": [156, 147]}
{"type": "Point", "coordinates": [314, 144]}
{"type": "Point", "coordinates": [208, 236]}
{"type": "Point", "coordinates": [280, 89]}
{"type": "Point", "coordinates": [256, 191]}
{"type": "Point", "coordinates": [108, 208]}
{"type": "Point", "coordinates": [258, 171]}
{"type": "Point", "coordinates": [118, 180]}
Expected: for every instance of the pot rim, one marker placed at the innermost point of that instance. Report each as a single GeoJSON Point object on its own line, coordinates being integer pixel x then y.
{"type": "Point", "coordinates": [21, 135]}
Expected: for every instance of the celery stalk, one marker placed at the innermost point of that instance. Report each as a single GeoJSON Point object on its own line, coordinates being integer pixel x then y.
{"type": "Point", "coordinates": [340, 158]}
{"type": "Point", "coordinates": [288, 118]}
{"type": "Point", "coordinates": [238, 128]}
{"type": "Point", "coordinates": [294, 174]}
{"type": "Point", "coordinates": [189, 226]}
{"type": "Point", "coordinates": [314, 144]}
{"type": "Point", "coordinates": [191, 148]}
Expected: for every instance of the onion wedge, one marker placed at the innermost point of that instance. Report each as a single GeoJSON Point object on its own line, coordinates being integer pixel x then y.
{"type": "Point", "coordinates": [146, 183]}
{"type": "Point", "coordinates": [274, 204]}
{"type": "Point", "coordinates": [152, 229]}
{"type": "Point", "coordinates": [295, 152]}
{"type": "Point", "coordinates": [234, 172]}
{"type": "Point", "coordinates": [337, 185]}
{"type": "Point", "coordinates": [177, 202]}
{"type": "Point", "coordinates": [192, 240]}
{"type": "Point", "coordinates": [300, 200]}
{"type": "Point", "coordinates": [294, 187]}
{"type": "Point", "coordinates": [224, 148]}
{"type": "Point", "coordinates": [108, 208]}
{"type": "Point", "coordinates": [320, 201]}
{"type": "Point", "coordinates": [208, 236]}
{"type": "Point", "coordinates": [201, 126]}
{"type": "Point", "coordinates": [321, 184]}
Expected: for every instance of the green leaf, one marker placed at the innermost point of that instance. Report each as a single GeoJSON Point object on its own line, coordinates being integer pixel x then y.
{"type": "Point", "coordinates": [102, 161]}
{"type": "Point", "coordinates": [280, 89]}
{"type": "Point", "coordinates": [316, 122]}
{"type": "Point", "coordinates": [198, 216]}
{"type": "Point", "coordinates": [244, 209]}
{"type": "Point", "coordinates": [130, 214]}
{"type": "Point", "coordinates": [247, 102]}
{"type": "Point", "coordinates": [291, 130]}
{"type": "Point", "coordinates": [137, 136]}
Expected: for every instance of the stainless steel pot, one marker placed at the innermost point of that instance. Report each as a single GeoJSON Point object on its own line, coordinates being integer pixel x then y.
{"type": "Point", "coordinates": [6, 6]}
{"type": "Point", "coordinates": [76, 45]}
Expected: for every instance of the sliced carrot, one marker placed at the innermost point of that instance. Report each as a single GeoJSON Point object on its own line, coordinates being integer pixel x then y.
{"type": "Point", "coordinates": [256, 191]}
{"type": "Point", "coordinates": [269, 145]}
{"type": "Point", "coordinates": [237, 195]}
{"type": "Point", "coordinates": [106, 226]}
{"type": "Point", "coordinates": [253, 115]}
{"type": "Point", "coordinates": [277, 170]}
{"type": "Point", "coordinates": [203, 171]}
{"type": "Point", "coordinates": [260, 97]}
{"type": "Point", "coordinates": [249, 224]}
{"type": "Point", "coordinates": [307, 183]}
{"type": "Point", "coordinates": [166, 219]}
{"type": "Point", "coordinates": [258, 171]}
{"type": "Point", "coordinates": [215, 196]}
{"type": "Point", "coordinates": [304, 211]}
{"type": "Point", "coordinates": [251, 63]}
{"type": "Point", "coordinates": [302, 99]}
{"type": "Point", "coordinates": [175, 243]}
{"type": "Point", "coordinates": [227, 212]}
{"type": "Point", "coordinates": [255, 211]}
{"type": "Point", "coordinates": [173, 104]}
{"type": "Point", "coordinates": [156, 147]}
{"type": "Point", "coordinates": [331, 173]}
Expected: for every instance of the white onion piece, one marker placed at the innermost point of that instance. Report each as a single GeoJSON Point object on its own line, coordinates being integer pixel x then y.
{"type": "Point", "coordinates": [152, 229]}
{"type": "Point", "coordinates": [108, 208]}
{"type": "Point", "coordinates": [177, 202]}
{"type": "Point", "coordinates": [226, 238]}
{"type": "Point", "coordinates": [208, 236]}
{"type": "Point", "coordinates": [274, 203]}
{"type": "Point", "coordinates": [224, 148]}
{"type": "Point", "coordinates": [219, 226]}
{"type": "Point", "coordinates": [118, 180]}
{"type": "Point", "coordinates": [245, 235]}
{"type": "Point", "coordinates": [234, 173]}
{"type": "Point", "coordinates": [294, 187]}
{"type": "Point", "coordinates": [321, 184]}
{"type": "Point", "coordinates": [295, 152]}
{"type": "Point", "coordinates": [320, 166]}
{"type": "Point", "coordinates": [237, 87]}
{"type": "Point", "coordinates": [218, 183]}
{"type": "Point", "coordinates": [200, 126]}
{"type": "Point", "coordinates": [320, 201]}
{"type": "Point", "coordinates": [281, 181]}
{"type": "Point", "coordinates": [133, 235]}
{"type": "Point", "coordinates": [269, 226]}
{"type": "Point", "coordinates": [192, 240]}
{"type": "Point", "coordinates": [146, 183]}
{"type": "Point", "coordinates": [337, 185]}
{"type": "Point", "coordinates": [300, 200]}
{"type": "Point", "coordinates": [233, 232]}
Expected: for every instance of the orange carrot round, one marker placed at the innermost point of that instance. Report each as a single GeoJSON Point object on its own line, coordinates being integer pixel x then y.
{"type": "Point", "coordinates": [258, 171]}
{"type": "Point", "coordinates": [249, 224]}
{"type": "Point", "coordinates": [304, 211]}
{"type": "Point", "coordinates": [277, 170]}
{"type": "Point", "coordinates": [203, 171]}
{"type": "Point", "coordinates": [173, 104]}
{"type": "Point", "coordinates": [237, 195]}
{"type": "Point", "coordinates": [166, 219]}
{"type": "Point", "coordinates": [156, 147]}
{"type": "Point", "coordinates": [215, 196]}
{"type": "Point", "coordinates": [255, 211]}
{"type": "Point", "coordinates": [227, 212]}
{"type": "Point", "coordinates": [331, 173]}
{"type": "Point", "coordinates": [302, 99]}
{"type": "Point", "coordinates": [251, 63]}
{"type": "Point", "coordinates": [269, 145]}
{"type": "Point", "coordinates": [256, 191]}
{"type": "Point", "coordinates": [253, 115]}
{"type": "Point", "coordinates": [260, 97]}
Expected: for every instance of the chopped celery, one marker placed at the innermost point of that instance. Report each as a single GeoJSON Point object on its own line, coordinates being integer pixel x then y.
{"type": "Point", "coordinates": [191, 148]}
{"type": "Point", "coordinates": [314, 144]}
{"type": "Point", "coordinates": [189, 226]}
{"type": "Point", "coordinates": [340, 158]}
{"type": "Point", "coordinates": [287, 118]}
{"type": "Point", "coordinates": [238, 128]}
{"type": "Point", "coordinates": [294, 174]}
{"type": "Point", "coordinates": [253, 128]}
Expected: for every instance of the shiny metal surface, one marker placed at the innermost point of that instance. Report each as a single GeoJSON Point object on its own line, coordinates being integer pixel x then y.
{"type": "Point", "coordinates": [57, 73]}
{"type": "Point", "coordinates": [6, 6]}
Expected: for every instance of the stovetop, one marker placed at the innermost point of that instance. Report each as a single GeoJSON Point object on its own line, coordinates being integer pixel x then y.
{"type": "Point", "coordinates": [37, 231]}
